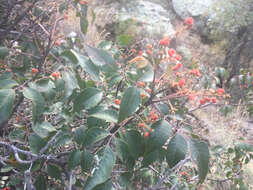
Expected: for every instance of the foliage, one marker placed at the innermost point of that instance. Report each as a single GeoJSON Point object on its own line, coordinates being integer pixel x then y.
{"type": "Point", "coordinates": [91, 118]}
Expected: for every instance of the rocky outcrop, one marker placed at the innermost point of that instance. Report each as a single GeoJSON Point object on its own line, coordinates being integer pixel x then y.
{"type": "Point", "coordinates": [146, 18]}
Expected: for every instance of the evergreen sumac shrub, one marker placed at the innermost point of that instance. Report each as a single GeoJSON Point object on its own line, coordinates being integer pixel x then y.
{"type": "Point", "coordinates": [74, 116]}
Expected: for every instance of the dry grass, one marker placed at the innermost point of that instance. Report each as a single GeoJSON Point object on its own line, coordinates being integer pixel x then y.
{"type": "Point", "coordinates": [223, 130]}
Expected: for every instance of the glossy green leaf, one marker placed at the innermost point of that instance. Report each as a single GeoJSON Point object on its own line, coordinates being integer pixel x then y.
{"type": "Point", "coordinates": [87, 99]}
{"type": "Point", "coordinates": [104, 186]}
{"type": "Point", "coordinates": [135, 143]}
{"type": "Point", "coordinates": [36, 143]}
{"type": "Point", "coordinates": [7, 97]}
{"type": "Point", "coordinates": [40, 183]}
{"type": "Point", "coordinates": [74, 159]}
{"type": "Point", "coordinates": [86, 160]}
{"type": "Point", "coordinates": [38, 102]}
{"type": "Point", "coordinates": [176, 150]}
{"type": "Point", "coordinates": [200, 154]}
{"type": "Point", "coordinates": [103, 172]}
{"type": "Point", "coordinates": [129, 103]}
{"type": "Point", "coordinates": [158, 137]}
{"type": "Point", "coordinates": [53, 171]}
{"type": "Point", "coordinates": [94, 135]}
{"type": "Point", "coordinates": [70, 83]}
{"type": "Point", "coordinates": [100, 57]}
{"type": "Point", "coordinates": [79, 135]}
{"type": "Point", "coordinates": [107, 115]}
{"type": "Point", "coordinates": [86, 64]}
{"type": "Point", "coordinates": [123, 153]}
{"type": "Point", "coordinates": [43, 129]}
{"type": "Point", "coordinates": [7, 83]}
{"type": "Point", "coordinates": [4, 51]}
{"type": "Point", "coordinates": [150, 158]}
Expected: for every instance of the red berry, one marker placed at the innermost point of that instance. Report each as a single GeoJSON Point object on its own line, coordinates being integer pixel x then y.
{"type": "Point", "coordinates": [189, 21]}
{"type": "Point", "coordinates": [220, 91]}
{"type": "Point", "coordinates": [141, 84]}
{"type": "Point", "coordinates": [177, 66]}
{"type": "Point", "coordinates": [146, 134]}
{"type": "Point", "coordinates": [58, 43]}
{"type": "Point", "coordinates": [34, 70]}
{"type": "Point", "coordinates": [207, 99]}
{"type": "Point", "coordinates": [149, 52]}
{"type": "Point", "coordinates": [171, 52]}
{"type": "Point", "coordinates": [117, 101]}
{"type": "Point", "coordinates": [214, 100]}
{"type": "Point", "coordinates": [143, 96]}
{"type": "Point", "coordinates": [140, 53]}
{"type": "Point", "coordinates": [66, 17]}
{"type": "Point", "coordinates": [178, 57]}
{"type": "Point", "coordinates": [202, 101]}
{"type": "Point", "coordinates": [83, 2]}
{"type": "Point", "coordinates": [191, 97]}
{"type": "Point", "coordinates": [165, 42]}
{"type": "Point", "coordinates": [56, 75]}
{"type": "Point", "coordinates": [141, 125]}
{"type": "Point", "coordinates": [181, 82]}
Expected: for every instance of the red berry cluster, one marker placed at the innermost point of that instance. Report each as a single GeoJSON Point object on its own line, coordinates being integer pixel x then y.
{"type": "Point", "coordinates": [153, 116]}
{"type": "Point", "coordinates": [117, 101]}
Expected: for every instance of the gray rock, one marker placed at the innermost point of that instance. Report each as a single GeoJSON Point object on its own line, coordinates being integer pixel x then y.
{"type": "Point", "coordinates": [142, 18]}
{"type": "Point", "coordinates": [186, 8]}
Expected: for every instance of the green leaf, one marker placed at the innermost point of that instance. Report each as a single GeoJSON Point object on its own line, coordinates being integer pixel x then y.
{"type": "Point", "coordinates": [79, 135]}
{"type": "Point", "coordinates": [100, 57]}
{"type": "Point", "coordinates": [53, 171]}
{"type": "Point", "coordinates": [17, 135]}
{"type": "Point", "coordinates": [36, 143]}
{"type": "Point", "coordinates": [86, 160]}
{"type": "Point", "coordinates": [84, 24]}
{"type": "Point", "coordinates": [158, 137]}
{"type": "Point", "coordinates": [38, 102]}
{"type": "Point", "coordinates": [7, 83]}
{"type": "Point", "coordinates": [244, 147]}
{"type": "Point", "coordinates": [134, 142]}
{"type": "Point", "coordinates": [7, 97]}
{"type": "Point", "coordinates": [107, 115]}
{"type": "Point", "coordinates": [150, 158]}
{"type": "Point", "coordinates": [70, 83]}
{"type": "Point", "coordinates": [63, 139]}
{"type": "Point", "coordinates": [94, 135]}
{"type": "Point", "coordinates": [129, 103]}
{"type": "Point", "coordinates": [43, 85]}
{"type": "Point", "coordinates": [200, 154]}
{"type": "Point", "coordinates": [40, 183]}
{"type": "Point", "coordinates": [104, 186]}
{"type": "Point", "coordinates": [87, 99]}
{"type": "Point", "coordinates": [123, 153]}
{"type": "Point", "coordinates": [85, 63]}
{"type": "Point", "coordinates": [43, 129]}
{"type": "Point", "coordinates": [176, 150]}
{"type": "Point", "coordinates": [103, 172]}
{"type": "Point", "coordinates": [4, 51]}
{"type": "Point", "coordinates": [74, 159]}
{"type": "Point", "coordinates": [164, 108]}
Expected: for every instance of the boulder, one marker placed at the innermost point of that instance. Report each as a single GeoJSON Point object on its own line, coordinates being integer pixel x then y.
{"type": "Point", "coordinates": [139, 18]}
